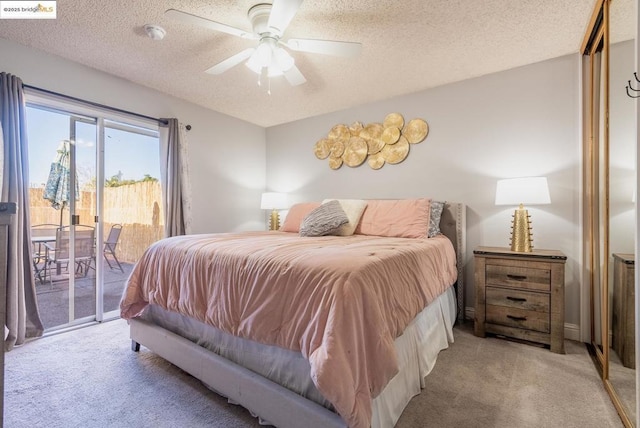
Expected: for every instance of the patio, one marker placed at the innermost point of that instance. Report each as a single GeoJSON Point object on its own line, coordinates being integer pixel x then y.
{"type": "Point", "coordinates": [53, 299]}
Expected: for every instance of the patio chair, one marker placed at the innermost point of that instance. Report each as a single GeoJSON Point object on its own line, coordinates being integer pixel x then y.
{"type": "Point", "coordinates": [41, 234]}
{"type": "Point", "coordinates": [59, 254]}
{"type": "Point", "coordinates": [110, 246]}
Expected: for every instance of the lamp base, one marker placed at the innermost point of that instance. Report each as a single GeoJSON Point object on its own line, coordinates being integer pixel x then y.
{"type": "Point", "coordinates": [521, 240]}
{"type": "Point", "coordinates": [274, 221]}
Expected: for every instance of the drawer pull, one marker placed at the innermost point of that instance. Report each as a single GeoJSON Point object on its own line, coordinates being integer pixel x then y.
{"type": "Point", "coordinates": [516, 318]}
{"type": "Point", "coordinates": [517, 277]}
{"type": "Point", "coordinates": [516, 299]}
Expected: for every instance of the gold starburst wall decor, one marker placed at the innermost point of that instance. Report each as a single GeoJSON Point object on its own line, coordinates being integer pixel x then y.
{"type": "Point", "coordinates": [376, 143]}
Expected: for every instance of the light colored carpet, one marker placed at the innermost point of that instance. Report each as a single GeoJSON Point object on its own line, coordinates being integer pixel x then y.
{"type": "Point", "coordinates": [90, 378]}
{"type": "Point", "coordinates": [498, 383]}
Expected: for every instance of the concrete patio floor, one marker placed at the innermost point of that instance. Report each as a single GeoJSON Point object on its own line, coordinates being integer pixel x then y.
{"type": "Point", "coordinates": [53, 298]}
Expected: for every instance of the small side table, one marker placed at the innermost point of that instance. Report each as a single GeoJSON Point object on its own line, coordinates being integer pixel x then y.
{"type": "Point", "coordinates": [520, 295]}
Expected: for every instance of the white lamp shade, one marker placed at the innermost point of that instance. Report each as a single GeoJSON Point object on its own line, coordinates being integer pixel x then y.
{"type": "Point", "coordinates": [525, 190]}
{"type": "Point", "coordinates": [273, 201]}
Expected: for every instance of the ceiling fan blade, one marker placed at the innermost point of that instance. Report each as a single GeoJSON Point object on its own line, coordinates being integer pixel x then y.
{"type": "Point", "coordinates": [327, 47]}
{"type": "Point", "coordinates": [230, 62]}
{"type": "Point", "coordinates": [294, 77]}
{"type": "Point", "coordinates": [188, 18]}
{"type": "Point", "coordinates": [282, 12]}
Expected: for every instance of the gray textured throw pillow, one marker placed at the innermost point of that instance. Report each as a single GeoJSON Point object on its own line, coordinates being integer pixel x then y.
{"type": "Point", "coordinates": [434, 218]}
{"type": "Point", "coordinates": [324, 220]}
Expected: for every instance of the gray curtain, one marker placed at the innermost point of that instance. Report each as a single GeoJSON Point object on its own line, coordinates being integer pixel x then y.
{"type": "Point", "coordinates": [23, 319]}
{"type": "Point", "coordinates": [171, 178]}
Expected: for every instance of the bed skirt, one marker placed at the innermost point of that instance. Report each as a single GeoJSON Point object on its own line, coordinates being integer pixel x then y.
{"type": "Point", "coordinates": [252, 375]}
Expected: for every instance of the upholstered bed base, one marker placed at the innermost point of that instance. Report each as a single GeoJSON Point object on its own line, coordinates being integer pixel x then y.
{"type": "Point", "coordinates": [260, 396]}
{"type": "Point", "coordinates": [417, 349]}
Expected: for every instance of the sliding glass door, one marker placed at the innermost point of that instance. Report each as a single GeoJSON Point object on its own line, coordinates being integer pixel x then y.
{"type": "Point", "coordinates": [131, 214]}
{"type": "Point", "coordinates": [62, 158]}
{"type": "Point", "coordinates": [82, 220]}
{"type": "Point", "coordinates": [94, 206]}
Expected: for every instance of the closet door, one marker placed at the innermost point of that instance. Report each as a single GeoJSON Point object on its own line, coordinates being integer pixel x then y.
{"type": "Point", "coordinates": [610, 179]}
{"type": "Point", "coordinates": [622, 228]}
{"type": "Point", "coordinates": [595, 190]}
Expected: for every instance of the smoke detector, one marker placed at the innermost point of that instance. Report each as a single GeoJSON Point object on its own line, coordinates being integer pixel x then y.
{"type": "Point", "coordinates": [155, 31]}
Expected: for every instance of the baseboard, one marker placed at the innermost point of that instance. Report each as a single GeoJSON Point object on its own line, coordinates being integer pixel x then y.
{"type": "Point", "coordinates": [571, 331]}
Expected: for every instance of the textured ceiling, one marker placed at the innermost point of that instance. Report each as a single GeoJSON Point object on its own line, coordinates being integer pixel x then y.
{"type": "Point", "coordinates": [408, 45]}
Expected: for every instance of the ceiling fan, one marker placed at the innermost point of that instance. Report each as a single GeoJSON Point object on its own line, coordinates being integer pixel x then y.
{"type": "Point", "coordinates": [269, 58]}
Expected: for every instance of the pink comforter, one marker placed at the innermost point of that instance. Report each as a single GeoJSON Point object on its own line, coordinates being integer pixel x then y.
{"type": "Point", "coordinates": [340, 301]}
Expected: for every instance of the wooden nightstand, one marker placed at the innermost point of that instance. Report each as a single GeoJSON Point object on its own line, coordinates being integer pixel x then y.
{"type": "Point", "coordinates": [623, 330]}
{"type": "Point", "coordinates": [520, 295]}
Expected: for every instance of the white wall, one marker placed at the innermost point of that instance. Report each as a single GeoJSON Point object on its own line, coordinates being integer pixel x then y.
{"type": "Point", "coordinates": [227, 155]}
{"type": "Point", "coordinates": [519, 122]}
{"type": "Point", "coordinates": [514, 123]}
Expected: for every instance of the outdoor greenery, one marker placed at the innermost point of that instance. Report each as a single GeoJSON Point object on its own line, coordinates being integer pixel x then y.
{"type": "Point", "coordinates": [117, 181]}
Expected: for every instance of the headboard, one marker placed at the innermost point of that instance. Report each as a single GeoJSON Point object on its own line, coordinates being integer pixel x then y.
{"type": "Point", "coordinates": [453, 224]}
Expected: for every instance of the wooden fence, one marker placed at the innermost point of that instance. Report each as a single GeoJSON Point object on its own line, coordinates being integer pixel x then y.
{"type": "Point", "coordinates": [137, 207]}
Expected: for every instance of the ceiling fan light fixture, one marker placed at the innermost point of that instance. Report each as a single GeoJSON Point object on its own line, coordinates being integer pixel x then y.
{"type": "Point", "coordinates": [264, 54]}
{"type": "Point", "coordinates": [253, 63]}
{"type": "Point", "coordinates": [270, 56]}
{"type": "Point", "coordinates": [274, 72]}
{"type": "Point", "coordinates": [271, 71]}
{"type": "Point", "coordinates": [283, 60]}
{"type": "Point", "coordinates": [269, 22]}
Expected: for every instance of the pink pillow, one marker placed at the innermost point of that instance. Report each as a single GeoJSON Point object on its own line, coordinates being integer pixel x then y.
{"type": "Point", "coordinates": [295, 216]}
{"type": "Point", "coordinates": [401, 218]}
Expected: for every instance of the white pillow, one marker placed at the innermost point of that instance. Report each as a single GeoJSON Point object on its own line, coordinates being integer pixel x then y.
{"type": "Point", "coordinates": [353, 208]}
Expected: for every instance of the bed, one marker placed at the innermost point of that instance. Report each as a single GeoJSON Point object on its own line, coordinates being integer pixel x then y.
{"type": "Point", "coordinates": [334, 331]}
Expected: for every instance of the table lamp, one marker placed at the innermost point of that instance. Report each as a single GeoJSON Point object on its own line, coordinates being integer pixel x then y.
{"type": "Point", "coordinates": [273, 201]}
{"type": "Point", "coordinates": [520, 191]}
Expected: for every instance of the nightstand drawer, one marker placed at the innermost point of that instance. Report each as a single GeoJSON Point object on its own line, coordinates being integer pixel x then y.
{"type": "Point", "coordinates": [527, 300]}
{"type": "Point", "coordinates": [519, 318]}
{"type": "Point", "coordinates": [518, 277]}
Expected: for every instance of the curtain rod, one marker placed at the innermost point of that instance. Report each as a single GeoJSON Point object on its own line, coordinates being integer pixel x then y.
{"type": "Point", "coordinates": [94, 104]}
